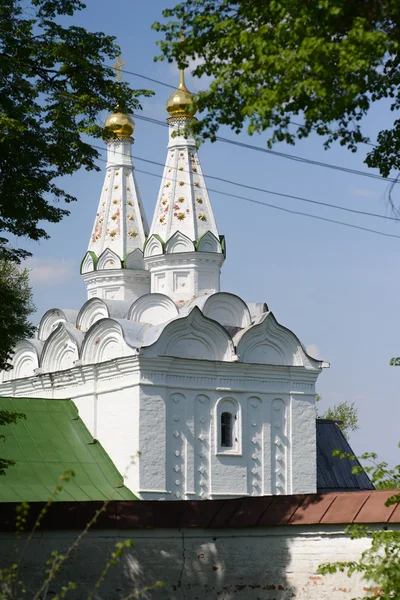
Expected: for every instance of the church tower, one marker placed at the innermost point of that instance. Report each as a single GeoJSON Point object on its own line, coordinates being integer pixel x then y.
{"type": "Point", "coordinates": [113, 267]}
{"type": "Point", "coordinates": [184, 252]}
{"type": "Point", "coordinates": [211, 394]}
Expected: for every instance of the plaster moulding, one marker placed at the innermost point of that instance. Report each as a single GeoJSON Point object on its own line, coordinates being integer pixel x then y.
{"type": "Point", "coordinates": [108, 260]}
{"type": "Point", "coordinates": [109, 338]}
{"type": "Point", "coordinates": [89, 262]}
{"type": "Point", "coordinates": [269, 342]}
{"type": "Point", "coordinates": [117, 285]}
{"type": "Point", "coordinates": [257, 309]}
{"type": "Point", "coordinates": [208, 243]}
{"type": "Point", "coordinates": [116, 276]}
{"type": "Point", "coordinates": [78, 382]}
{"type": "Point", "coordinates": [179, 243]}
{"type": "Point", "coordinates": [61, 349]}
{"type": "Point", "coordinates": [24, 361]}
{"type": "Point", "coordinates": [170, 372]}
{"type": "Point", "coordinates": [134, 260]}
{"type": "Point", "coordinates": [191, 259]}
{"type": "Point", "coordinates": [227, 309]}
{"type": "Point", "coordinates": [194, 336]}
{"type": "Point", "coordinates": [52, 318]}
{"type": "Point", "coordinates": [153, 308]}
{"type": "Point", "coordinates": [92, 311]}
{"type": "Point", "coordinates": [153, 246]}
{"type": "Point", "coordinates": [224, 374]}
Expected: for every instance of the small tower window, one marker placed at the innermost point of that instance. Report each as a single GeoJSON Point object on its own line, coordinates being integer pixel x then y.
{"type": "Point", "coordinates": [226, 430]}
{"type": "Point", "coordinates": [228, 427]}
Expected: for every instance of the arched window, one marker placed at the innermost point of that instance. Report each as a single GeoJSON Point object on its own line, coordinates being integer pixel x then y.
{"type": "Point", "coordinates": [228, 427]}
{"type": "Point", "coordinates": [226, 430]}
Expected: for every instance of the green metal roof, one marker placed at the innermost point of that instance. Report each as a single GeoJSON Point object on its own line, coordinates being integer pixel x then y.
{"type": "Point", "coordinates": [49, 441]}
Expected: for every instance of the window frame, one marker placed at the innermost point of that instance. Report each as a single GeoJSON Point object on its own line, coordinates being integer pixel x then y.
{"type": "Point", "coordinates": [231, 406]}
{"type": "Point", "coordinates": [227, 429]}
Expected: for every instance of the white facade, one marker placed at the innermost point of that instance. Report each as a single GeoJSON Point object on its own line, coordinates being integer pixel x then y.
{"type": "Point", "coordinates": [161, 389]}
{"type": "Point", "coordinates": [216, 396]}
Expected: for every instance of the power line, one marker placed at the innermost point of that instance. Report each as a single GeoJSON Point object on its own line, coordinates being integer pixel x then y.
{"type": "Point", "coordinates": [148, 78]}
{"type": "Point", "coordinates": [287, 210]}
{"type": "Point", "coordinates": [151, 120]}
{"type": "Point", "coordinates": [165, 124]}
{"type": "Point", "coordinates": [265, 191]}
{"type": "Point", "coordinates": [301, 125]}
{"type": "Point", "coordinates": [267, 150]}
{"type": "Point", "coordinates": [174, 87]}
{"type": "Point", "coordinates": [282, 154]}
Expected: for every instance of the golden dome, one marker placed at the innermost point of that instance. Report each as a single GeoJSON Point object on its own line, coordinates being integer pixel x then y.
{"type": "Point", "coordinates": [121, 124]}
{"type": "Point", "coordinates": [181, 103]}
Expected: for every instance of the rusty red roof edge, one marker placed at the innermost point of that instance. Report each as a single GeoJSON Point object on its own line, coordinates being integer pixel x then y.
{"type": "Point", "coordinates": [329, 508]}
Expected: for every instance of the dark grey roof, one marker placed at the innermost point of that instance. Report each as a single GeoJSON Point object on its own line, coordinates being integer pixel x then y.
{"type": "Point", "coordinates": [334, 473]}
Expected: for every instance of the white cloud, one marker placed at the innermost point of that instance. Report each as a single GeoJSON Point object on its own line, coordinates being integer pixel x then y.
{"type": "Point", "coordinates": [314, 351]}
{"type": "Point", "coordinates": [362, 192]}
{"type": "Point", "coordinates": [50, 271]}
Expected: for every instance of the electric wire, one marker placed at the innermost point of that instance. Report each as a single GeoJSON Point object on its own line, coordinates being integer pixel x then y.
{"type": "Point", "coordinates": [165, 124]}
{"type": "Point", "coordinates": [174, 87]}
{"type": "Point", "coordinates": [285, 155]}
{"type": "Point", "coordinates": [280, 208]}
{"type": "Point", "coordinates": [267, 150]}
{"type": "Point", "coordinates": [265, 191]}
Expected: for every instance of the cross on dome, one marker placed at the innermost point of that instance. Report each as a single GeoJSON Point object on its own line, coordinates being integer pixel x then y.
{"type": "Point", "coordinates": [113, 266]}
{"type": "Point", "coordinates": [119, 65]}
{"type": "Point", "coordinates": [120, 123]}
{"type": "Point", "coordinates": [183, 228]}
{"type": "Point", "coordinates": [181, 103]}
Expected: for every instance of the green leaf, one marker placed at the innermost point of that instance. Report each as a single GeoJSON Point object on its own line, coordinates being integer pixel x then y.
{"type": "Point", "coordinates": [291, 68]}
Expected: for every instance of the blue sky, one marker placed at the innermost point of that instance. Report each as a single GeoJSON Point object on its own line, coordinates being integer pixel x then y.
{"type": "Point", "coordinates": [335, 287]}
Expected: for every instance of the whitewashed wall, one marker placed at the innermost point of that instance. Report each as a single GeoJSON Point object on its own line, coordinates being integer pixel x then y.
{"type": "Point", "coordinates": [250, 564]}
{"type": "Point", "coordinates": [169, 410]}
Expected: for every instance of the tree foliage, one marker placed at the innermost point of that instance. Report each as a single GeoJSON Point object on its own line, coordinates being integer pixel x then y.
{"type": "Point", "coordinates": [15, 307]}
{"type": "Point", "coordinates": [379, 565]}
{"type": "Point", "coordinates": [322, 64]}
{"type": "Point", "coordinates": [7, 417]}
{"type": "Point", "coordinates": [344, 412]}
{"type": "Point", "coordinates": [54, 80]}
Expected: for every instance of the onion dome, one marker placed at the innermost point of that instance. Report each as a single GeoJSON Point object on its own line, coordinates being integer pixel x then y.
{"type": "Point", "coordinates": [121, 124]}
{"type": "Point", "coordinates": [181, 102]}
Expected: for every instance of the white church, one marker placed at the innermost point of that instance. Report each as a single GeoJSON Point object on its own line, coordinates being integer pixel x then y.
{"type": "Point", "coordinates": [192, 391]}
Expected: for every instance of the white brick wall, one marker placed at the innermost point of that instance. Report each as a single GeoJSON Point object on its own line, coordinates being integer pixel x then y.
{"type": "Point", "coordinates": [247, 564]}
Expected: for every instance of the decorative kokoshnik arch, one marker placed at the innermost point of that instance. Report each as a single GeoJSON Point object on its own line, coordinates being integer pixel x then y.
{"type": "Point", "coordinates": [104, 330]}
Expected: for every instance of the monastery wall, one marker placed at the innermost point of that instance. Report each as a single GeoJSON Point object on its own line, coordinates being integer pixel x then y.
{"type": "Point", "coordinates": [197, 564]}
{"type": "Point", "coordinates": [259, 548]}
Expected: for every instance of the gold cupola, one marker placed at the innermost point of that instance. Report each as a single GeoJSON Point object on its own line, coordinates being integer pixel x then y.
{"type": "Point", "coordinates": [181, 102]}
{"type": "Point", "coordinates": [120, 123]}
